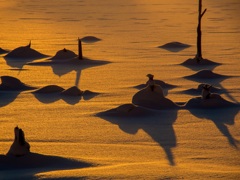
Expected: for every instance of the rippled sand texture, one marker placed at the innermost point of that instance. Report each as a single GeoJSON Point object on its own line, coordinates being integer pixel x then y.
{"type": "Point", "coordinates": [95, 118]}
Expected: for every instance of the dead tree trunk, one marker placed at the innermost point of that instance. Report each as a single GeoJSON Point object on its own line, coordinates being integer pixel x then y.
{"type": "Point", "coordinates": [199, 32]}
{"type": "Point", "coordinates": [80, 56]}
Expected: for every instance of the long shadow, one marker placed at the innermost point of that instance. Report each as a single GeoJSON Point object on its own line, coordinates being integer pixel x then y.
{"type": "Point", "coordinates": [157, 124]}
{"type": "Point", "coordinates": [62, 67]}
{"type": "Point", "coordinates": [26, 167]}
{"type": "Point", "coordinates": [221, 117]}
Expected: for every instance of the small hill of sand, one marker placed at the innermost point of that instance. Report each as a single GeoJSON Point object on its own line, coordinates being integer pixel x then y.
{"type": "Point", "coordinates": [203, 62]}
{"type": "Point", "coordinates": [49, 89]}
{"type": "Point", "coordinates": [90, 39]}
{"type": "Point", "coordinates": [24, 52]}
{"type": "Point", "coordinates": [174, 46]}
{"type": "Point", "coordinates": [205, 74]}
{"type": "Point", "coordinates": [64, 54]}
{"type": "Point", "coordinates": [10, 83]}
{"type": "Point", "coordinates": [152, 99]}
{"type": "Point", "coordinates": [72, 91]}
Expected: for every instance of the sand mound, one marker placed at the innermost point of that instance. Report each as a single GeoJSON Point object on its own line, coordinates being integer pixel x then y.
{"type": "Point", "coordinates": [25, 52]}
{"type": "Point", "coordinates": [216, 102]}
{"type": "Point", "coordinates": [152, 99]}
{"type": "Point", "coordinates": [50, 89]}
{"type": "Point", "coordinates": [198, 90]}
{"type": "Point", "coordinates": [205, 74]}
{"type": "Point", "coordinates": [90, 39]}
{"type": "Point", "coordinates": [203, 62]}
{"type": "Point", "coordinates": [10, 83]}
{"type": "Point", "coordinates": [72, 91]}
{"type": "Point", "coordinates": [174, 46]}
{"type": "Point", "coordinates": [2, 51]}
{"type": "Point", "coordinates": [64, 54]}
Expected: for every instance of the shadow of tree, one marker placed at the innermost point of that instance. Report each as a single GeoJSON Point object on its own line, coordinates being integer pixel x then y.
{"type": "Point", "coordinates": [157, 124]}
{"type": "Point", "coordinates": [221, 117]}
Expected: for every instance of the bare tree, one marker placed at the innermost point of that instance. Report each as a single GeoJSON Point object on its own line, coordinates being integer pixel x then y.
{"type": "Point", "coordinates": [199, 32]}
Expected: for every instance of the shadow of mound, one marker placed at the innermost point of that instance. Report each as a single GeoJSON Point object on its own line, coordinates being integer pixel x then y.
{"type": "Point", "coordinates": [157, 124]}
{"type": "Point", "coordinates": [196, 66]}
{"type": "Point", "coordinates": [166, 87]}
{"type": "Point", "coordinates": [174, 46]}
{"type": "Point", "coordinates": [29, 165]}
{"type": "Point", "coordinates": [220, 111]}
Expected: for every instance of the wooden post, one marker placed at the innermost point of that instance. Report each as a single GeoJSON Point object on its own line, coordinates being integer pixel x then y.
{"type": "Point", "coordinates": [80, 56]}
{"type": "Point", "coordinates": [199, 32]}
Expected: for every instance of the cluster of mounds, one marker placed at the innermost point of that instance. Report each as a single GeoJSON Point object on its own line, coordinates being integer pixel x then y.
{"type": "Point", "coordinates": [9, 83]}
{"type": "Point", "coordinates": [72, 91]}
{"type": "Point", "coordinates": [174, 46]}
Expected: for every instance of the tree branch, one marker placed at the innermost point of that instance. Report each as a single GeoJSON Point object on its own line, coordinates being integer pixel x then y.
{"type": "Point", "coordinates": [203, 13]}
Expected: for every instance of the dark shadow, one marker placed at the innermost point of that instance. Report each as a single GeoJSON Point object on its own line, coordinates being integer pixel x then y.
{"type": "Point", "coordinates": [157, 124]}
{"type": "Point", "coordinates": [62, 67]}
{"type": "Point", "coordinates": [47, 98]}
{"type": "Point", "coordinates": [25, 167]}
{"type": "Point", "coordinates": [3, 51]}
{"type": "Point", "coordinates": [221, 117]}
{"type": "Point", "coordinates": [7, 97]}
{"type": "Point", "coordinates": [197, 66]}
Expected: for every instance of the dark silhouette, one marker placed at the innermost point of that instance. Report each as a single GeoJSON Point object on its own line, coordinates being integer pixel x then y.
{"type": "Point", "coordinates": [80, 54]}
{"type": "Point", "coordinates": [157, 124]}
{"type": "Point", "coordinates": [150, 81]}
{"type": "Point", "coordinates": [199, 32]}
